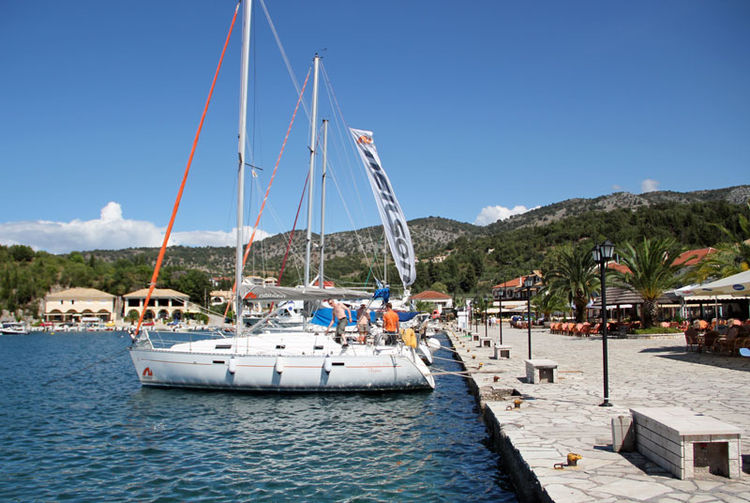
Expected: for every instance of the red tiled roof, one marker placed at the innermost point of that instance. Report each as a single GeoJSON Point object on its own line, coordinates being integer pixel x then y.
{"type": "Point", "coordinates": [692, 257]}
{"type": "Point", "coordinates": [618, 267]}
{"type": "Point", "coordinates": [515, 282]}
{"type": "Point", "coordinates": [431, 295]}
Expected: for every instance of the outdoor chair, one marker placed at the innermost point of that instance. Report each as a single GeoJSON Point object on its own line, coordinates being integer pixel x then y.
{"type": "Point", "coordinates": [691, 339]}
{"type": "Point", "coordinates": [709, 340]}
{"type": "Point", "coordinates": [726, 343]}
{"type": "Point", "coordinates": [596, 328]}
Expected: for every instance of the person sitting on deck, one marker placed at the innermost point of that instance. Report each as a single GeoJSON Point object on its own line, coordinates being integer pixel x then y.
{"type": "Point", "coordinates": [390, 324]}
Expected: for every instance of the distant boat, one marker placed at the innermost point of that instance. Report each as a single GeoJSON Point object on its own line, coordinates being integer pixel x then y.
{"type": "Point", "coordinates": [14, 328]}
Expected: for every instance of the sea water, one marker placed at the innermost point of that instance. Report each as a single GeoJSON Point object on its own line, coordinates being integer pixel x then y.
{"type": "Point", "coordinates": [77, 425]}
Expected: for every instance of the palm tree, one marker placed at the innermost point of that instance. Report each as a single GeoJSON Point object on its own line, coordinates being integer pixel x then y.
{"type": "Point", "coordinates": [547, 302]}
{"type": "Point", "coordinates": [731, 257]}
{"type": "Point", "coordinates": [572, 276]}
{"type": "Point", "coordinates": [652, 272]}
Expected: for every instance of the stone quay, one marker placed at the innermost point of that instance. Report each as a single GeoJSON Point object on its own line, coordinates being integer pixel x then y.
{"type": "Point", "coordinates": [540, 429]}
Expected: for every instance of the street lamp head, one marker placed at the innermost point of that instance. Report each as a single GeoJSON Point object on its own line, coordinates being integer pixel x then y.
{"type": "Point", "coordinates": [607, 250]}
{"type": "Point", "coordinates": [596, 254]}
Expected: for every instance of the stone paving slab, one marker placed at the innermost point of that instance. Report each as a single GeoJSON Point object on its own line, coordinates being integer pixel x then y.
{"type": "Point", "coordinates": [558, 418]}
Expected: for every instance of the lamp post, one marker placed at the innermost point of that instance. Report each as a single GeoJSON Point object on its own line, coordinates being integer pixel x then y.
{"type": "Point", "coordinates": [475, 312]}
{"type": "Point", "coordinates": [486, 301]}
{"type": "Point", "coordinates": [500, 314]}
{"type": "Point", "coordinates": [602, 253]}
{"type": "Point", "coordinates": [528, 283]}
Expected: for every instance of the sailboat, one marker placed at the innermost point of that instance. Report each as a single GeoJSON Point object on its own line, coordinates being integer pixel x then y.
{"type": "Point", "coordinates": [273, 361]}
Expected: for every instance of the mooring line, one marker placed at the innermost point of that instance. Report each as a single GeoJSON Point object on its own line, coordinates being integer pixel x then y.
{"type": "Point", "coordinates": [109, 357]}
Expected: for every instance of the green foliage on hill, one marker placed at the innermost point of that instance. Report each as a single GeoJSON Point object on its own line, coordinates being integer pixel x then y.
{"type": "Point", "coordinates": [27, 276]}
{"type": "Point", "coordinates": [454, 257]}
{"type": "Point", "coordinates": [492, 259]}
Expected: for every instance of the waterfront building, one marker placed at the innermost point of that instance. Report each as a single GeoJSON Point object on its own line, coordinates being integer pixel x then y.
{"type": "Point", "coordinates": [440, 300]}
{"type": "Point", "coordinates": [165, 304]}
{"type": "Point", "coordinates": [80, 304]}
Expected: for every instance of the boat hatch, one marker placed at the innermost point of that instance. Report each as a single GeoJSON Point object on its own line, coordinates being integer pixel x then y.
{"type": "Point", "coordinates": [223, 346]}
{"type": "Point", "coordinates": [219, 362]}
{"type": "Point", "coordinates": [318, 347]}
{"type": "Point", "coordinates": [280, 346]}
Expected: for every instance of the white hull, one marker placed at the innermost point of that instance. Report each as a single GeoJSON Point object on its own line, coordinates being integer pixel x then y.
{"type": "Point", "coordinates": [320, 366]}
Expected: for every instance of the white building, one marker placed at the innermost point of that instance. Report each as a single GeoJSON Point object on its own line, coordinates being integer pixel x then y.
{"type": "Point", "coordinates": [164, 304]}
{"type": "Point", "coordinates": [76, 303]}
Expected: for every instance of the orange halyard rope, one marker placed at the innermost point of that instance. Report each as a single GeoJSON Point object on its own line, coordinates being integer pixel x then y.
{"type": "Point", "coordinates": [168, 233]}
{"type": "Point", "coordinates": [270, 182]}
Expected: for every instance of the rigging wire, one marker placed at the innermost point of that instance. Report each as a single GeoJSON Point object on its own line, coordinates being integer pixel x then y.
{"type": "Point", "coordinates": [291, 234]}
{"type": "Point", "coordinates": [283, 54]}
{"type": "Point", "coordinates": [270, 182]}
{"type": "Point", "coordinates": [339, 115]}
{"type": "Point", "coordinates": [168, 232]}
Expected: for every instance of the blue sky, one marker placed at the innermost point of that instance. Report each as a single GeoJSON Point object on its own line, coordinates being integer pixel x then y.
{"type": "Point", "coordinates": [480, 109]}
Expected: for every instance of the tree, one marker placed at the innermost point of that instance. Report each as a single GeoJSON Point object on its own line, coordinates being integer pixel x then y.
{"type": "Point", "coordinates": [572, 276]}
{"type": "Point", "coordinates": [652, 272]}
{"type": "Point", "coordinates": [548, 302]}
{"type": "Point", "coordinates": [732, 256]}
{"type": "Point", "coordinates": [195, 283]}
{"type": "Point", "coordinates": [439, 287]}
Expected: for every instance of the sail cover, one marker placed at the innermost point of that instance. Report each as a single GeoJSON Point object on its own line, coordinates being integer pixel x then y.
{"type": "Point", "coordinates": [394, 222]}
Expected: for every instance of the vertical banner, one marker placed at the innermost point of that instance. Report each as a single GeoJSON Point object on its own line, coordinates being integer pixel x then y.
{"type": "Point", "coordinates": [394, 222]}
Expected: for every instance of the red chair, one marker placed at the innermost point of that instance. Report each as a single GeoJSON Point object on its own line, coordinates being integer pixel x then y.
{"type": "Point", "coordinates": [586, 329]}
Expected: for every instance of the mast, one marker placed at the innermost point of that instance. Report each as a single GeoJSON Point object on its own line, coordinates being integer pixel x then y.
{"type": "Point", "coordinates": [241, 161]}
{"type": "Point", "coordinates": [321, 274]}
{"type": "Point", "coordinates": [385, 258]}
{"type": "Point", "coordinates": [313, 137]}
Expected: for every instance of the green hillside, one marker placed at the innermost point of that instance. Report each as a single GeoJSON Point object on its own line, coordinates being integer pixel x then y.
{"type": "Point", "coordinates": [459, 258]}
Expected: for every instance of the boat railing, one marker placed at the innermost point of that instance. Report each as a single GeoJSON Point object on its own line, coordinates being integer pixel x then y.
{"type": "Point", "coordinates": [167, 339]}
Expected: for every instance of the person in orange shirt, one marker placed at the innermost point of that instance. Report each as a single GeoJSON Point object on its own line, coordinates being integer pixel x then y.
{"type": "Point", "coordinates": [390, 324]}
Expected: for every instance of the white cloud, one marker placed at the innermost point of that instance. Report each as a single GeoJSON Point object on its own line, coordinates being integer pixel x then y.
{"type": "Point", "coordinates": [649, 185]}
{"type": "Point", "coordinates": [491, 214]}
{"type": "Point", "coordinates": [617, 188]}
{"type": "Point", "coordinates": [109, 232]}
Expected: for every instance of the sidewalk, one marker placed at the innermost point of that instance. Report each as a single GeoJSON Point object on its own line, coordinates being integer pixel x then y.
{"type": "Point", "coordinates": [559, 418]}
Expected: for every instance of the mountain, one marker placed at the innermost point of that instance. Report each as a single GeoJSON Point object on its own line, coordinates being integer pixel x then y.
{"type": "Point", "coordinates": [455, 257]}
{"type": "Point", "coordinates": [431, 235]}
{"type": "Point", "coordinates": [427, 234]}
{"type": "Point", "coordinates": [739, 194]}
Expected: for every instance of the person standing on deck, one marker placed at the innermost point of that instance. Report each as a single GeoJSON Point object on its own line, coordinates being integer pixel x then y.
{"type": "Point", "coordinates": [340, 313]}
{"type": "Point", "coordinates": [390, 324]}
{"type": "Point", "coordinates": [363, 323]}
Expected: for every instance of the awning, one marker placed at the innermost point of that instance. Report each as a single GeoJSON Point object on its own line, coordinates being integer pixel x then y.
{"type": "Point", "coordinates": [735, 285]}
